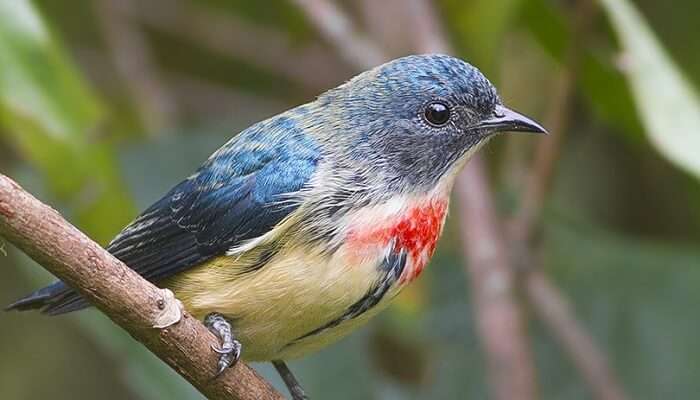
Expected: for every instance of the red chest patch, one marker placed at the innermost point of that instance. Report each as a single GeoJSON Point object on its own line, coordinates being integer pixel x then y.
{"type": "Point", "coordinates": [416, 232]}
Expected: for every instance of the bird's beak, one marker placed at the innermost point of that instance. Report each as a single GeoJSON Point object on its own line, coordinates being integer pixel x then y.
{"type": "Point", "coordinates": [504, 119]}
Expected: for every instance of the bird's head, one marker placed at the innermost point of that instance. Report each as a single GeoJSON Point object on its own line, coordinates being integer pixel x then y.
{"type": "Point", "coordinates": [415, 120]}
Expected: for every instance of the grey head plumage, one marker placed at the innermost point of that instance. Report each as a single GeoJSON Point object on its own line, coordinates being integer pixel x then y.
{"type": "Point", "coordinates": [377, 127]}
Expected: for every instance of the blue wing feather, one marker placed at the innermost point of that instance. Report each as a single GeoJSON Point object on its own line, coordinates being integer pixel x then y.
{"type": "Point", "coordinates": [235, 196]}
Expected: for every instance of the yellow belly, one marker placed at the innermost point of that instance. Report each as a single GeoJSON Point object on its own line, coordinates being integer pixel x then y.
{"type": "Point", "coordinates": [295, 293]}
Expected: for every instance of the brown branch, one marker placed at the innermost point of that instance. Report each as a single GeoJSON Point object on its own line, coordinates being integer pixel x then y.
{"type": "Point", "coordinates": [129, 300]}
{"type": "Point", "coordinates": [556, 313]}
{"type": "Point", "coordinates": [501, 327]}
{"type": "Point", "coordinates": [547, 152]}
{"type": "Point", "coordinates": [388, 33]}
{"type": "Point", "coordinates": [499, 318]}
{"type": "Point", "coordinates": [337, 28]}
{"type": "Point", "coordinates": [134, 63]}
{"type": "Point", "coordinates": [427, 31]}
{"type": "Point", "coordinates": [209, 100]}
{"type": "Point", "coordinates": [309, 64]}
{"type": "Point", "coordinates": [549, 303]}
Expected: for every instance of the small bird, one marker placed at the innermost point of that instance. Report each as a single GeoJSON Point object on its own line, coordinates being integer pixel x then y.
{"type": "Point", "coordinates": [305, 225]}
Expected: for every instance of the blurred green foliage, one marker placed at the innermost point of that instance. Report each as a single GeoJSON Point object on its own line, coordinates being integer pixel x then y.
{"type": "Point", "coordinates": [621, 224]}
{"type": "Point", "coordinates": [53, 119]}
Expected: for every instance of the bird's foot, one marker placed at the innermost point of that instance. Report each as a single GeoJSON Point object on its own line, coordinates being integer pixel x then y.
{"type": "Point", "coordinates": [292, 383]}
{"type": "Point", "coordinates": [230, 350]}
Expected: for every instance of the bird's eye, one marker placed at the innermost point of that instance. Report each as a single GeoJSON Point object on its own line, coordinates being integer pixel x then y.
{"type": "Point", "coordinates": [437, 113]}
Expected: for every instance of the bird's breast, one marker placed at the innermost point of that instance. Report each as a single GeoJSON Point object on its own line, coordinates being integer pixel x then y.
{"type": "Point", "coordinates": [410, 225]}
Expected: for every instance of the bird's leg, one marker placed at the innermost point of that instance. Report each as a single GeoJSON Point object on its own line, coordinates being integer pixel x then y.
{"type": "Point", "coordinates": [230, 350]}
{"type": "Point", "coordinates": [293, 385]}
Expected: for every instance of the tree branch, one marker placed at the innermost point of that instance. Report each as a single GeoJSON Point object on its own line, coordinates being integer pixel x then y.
{"type": "Point", "coordinates": [549, 303]}
{"type": "Point", "coordinates": [547, 152]}
{"type": "Point", "coordinates": [555, 312]}
{"type": "Point", "coordinates": [126, 298]}
{"type": "Point", "coordinates": [387, 33]}
{"type": "Point", "coordinates": [499, 318]}
{"type": "Point", "coordinates": [133, 61]}
{"type": "Point", "coordinates": [338, 29]}
{"type": "Point", "coordinates": [311, 65]}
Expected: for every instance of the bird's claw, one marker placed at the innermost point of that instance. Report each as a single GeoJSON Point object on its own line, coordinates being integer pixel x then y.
{"type": "Point", "coordinates": [229, 355]}
{"type": "Point", "coordinates": [230, 350]}
{"type": "Point", "coordinates": [220, 351]}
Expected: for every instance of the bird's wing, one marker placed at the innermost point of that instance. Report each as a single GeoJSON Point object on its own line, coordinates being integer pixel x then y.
{"type": "Point", "coordinates": [242, 192]}
{"type": "Point", "coordinates": [209, 214]}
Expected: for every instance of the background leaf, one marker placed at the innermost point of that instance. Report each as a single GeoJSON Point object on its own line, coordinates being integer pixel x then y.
{"type": "Point", "coordinates": [668, 105]}
{"type": "Point", "coordinates": [53, 119]}
{"type": "Point", "coordinates": [602, 86]}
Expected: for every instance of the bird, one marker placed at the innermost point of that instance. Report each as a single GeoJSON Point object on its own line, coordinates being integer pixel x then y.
{"type": "Point", "coordinates": [305, 225]}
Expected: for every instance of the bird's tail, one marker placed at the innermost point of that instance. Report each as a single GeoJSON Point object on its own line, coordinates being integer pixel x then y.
{"type": "Point", "coordinates": [54, 299]}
